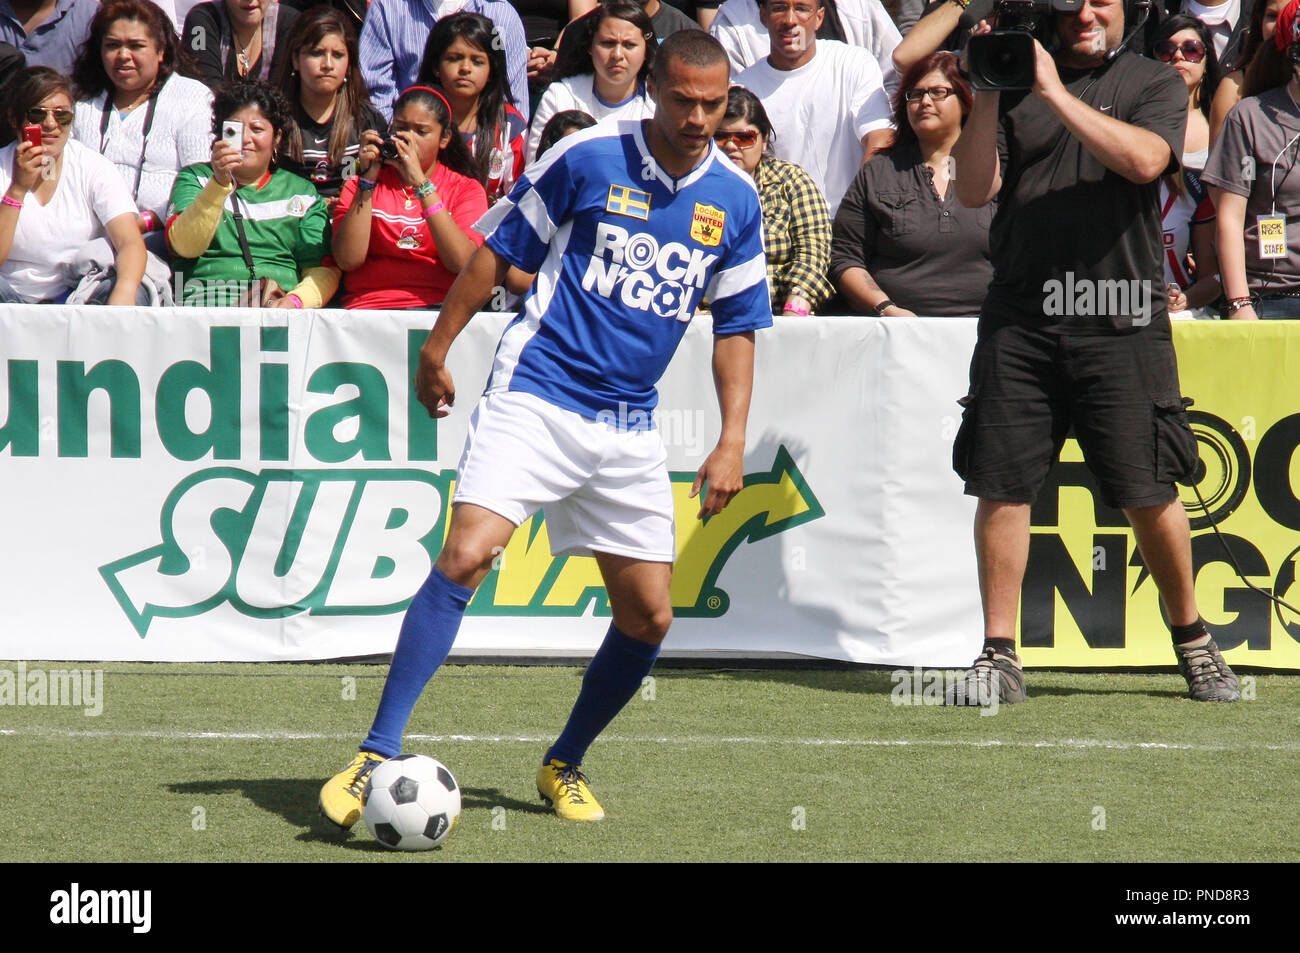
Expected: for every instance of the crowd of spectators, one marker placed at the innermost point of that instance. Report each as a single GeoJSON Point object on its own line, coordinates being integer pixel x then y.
{"type": "Point", "coordinates": [342, 152]}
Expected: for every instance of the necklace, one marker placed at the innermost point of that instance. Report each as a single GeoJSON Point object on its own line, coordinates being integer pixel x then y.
{"type": "Point", "coordinates": [241, 56]}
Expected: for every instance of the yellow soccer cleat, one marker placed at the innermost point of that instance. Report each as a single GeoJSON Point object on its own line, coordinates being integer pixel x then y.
{"type": "Point", "coordinates": [340, 798]}
{"type": "Point", "coordinates": [565, 788]}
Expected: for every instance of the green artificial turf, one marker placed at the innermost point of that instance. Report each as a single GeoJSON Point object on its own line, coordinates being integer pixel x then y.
{"type": "Point", "coordinates": [223, 763]}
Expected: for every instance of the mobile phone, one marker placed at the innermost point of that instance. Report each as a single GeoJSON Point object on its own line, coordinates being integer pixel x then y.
{"type": "Point", "coordinates": [32, 134]}
{"type": "Point", "coordinates": [233, 133]}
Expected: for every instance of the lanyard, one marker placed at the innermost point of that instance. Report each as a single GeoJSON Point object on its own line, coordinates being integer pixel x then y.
{"type": "Point", "coordinates": [144, 136]}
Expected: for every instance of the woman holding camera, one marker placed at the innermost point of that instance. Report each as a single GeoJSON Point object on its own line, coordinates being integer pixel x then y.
{"type": "Point", "coordinates": [403, 228]}
{"type": "Point", "coordinates": [58, 196]}
{"type": "Point", "coordinates": [243, 232]}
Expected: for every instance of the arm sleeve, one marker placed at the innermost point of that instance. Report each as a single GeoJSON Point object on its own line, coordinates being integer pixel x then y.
{"type": "Point", "coordinates": [810, 235]}
{"type": "Point", "coordinates": [195, 214]}
{"type": "Point", "coordinates": [870, 102]}
{"type": "Point", "coordinates": [853, 236]}
{"type": "Point", "coordinates": [313, 235]}
{"type": "Point", "coordinates": [519, 228]}
{"type": "Point", "coordinates": [317, 286]}
{"type": "Point", "coordinates": [202, 38]}
{"type": "Point", "coordinates": [738, 294]}
{"type": "Point", "coordinates": [375, 50]}
{"type": "Point", "coordinates": [1232, 156]}
{"type": "Point", "coordinates": [108, 195]}
{"type": "Point", "coordinates": [547, 108]}
{"type": "Point", "coordinates": [1161, 107]}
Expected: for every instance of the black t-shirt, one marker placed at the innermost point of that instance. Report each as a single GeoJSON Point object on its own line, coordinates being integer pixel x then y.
{"type": "Point", "coordinates": [1064, 218]}
{"type": "Point", "coordinates": [315, 166]}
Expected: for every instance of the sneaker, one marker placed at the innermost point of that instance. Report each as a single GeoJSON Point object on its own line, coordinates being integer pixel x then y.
{"type": "Point", "coordinates": [991, 674]}
{"type": "Point", "coordinates": [340, 798]}
{"type": "Point", "coordinates": [1208, 677]}
{"type": "Point", "coordinates": [564, 787]}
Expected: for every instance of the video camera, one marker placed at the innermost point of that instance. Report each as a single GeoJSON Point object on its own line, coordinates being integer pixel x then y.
{"type": "Point", "coordinates": [1004, 59]}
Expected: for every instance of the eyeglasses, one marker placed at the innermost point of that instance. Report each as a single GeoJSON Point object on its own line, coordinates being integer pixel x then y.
{"type": "Point", "coordinates": [1193, 50]}
{"type": "Point", "coordinates": [804, 11]}
{"type": "Point", "coordinates": [36, 116]}
{"type": "Point", "coordinates": [937, 94]}
{"type": "Point", "coordinates": [741, 137]}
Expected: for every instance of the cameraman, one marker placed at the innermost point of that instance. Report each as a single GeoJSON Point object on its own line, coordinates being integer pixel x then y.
{"type": "Point", "coordinates": [1074, 330]}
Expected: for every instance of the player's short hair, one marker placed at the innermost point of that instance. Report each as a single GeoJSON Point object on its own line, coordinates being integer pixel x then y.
{"type": "Point", "coordinates": [693, 48]}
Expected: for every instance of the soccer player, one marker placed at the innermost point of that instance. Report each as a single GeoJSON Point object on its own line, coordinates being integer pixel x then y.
{"type": "Point", "coordinates": [629, 226]}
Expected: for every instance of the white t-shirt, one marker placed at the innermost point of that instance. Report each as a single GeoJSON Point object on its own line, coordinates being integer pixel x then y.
{"type": "Point", "coordinates": [579, 92]}
{"type": "Point", "coordinates": [821, 111]}
{"type": "Point", "coordinates": [1221, 20]}
{"type": "Point", "coordinates": [866, 24]}
{"type": "Point", "coordinates": [49, 237]}
{"type": "Point", "coordinates": [181, 135]}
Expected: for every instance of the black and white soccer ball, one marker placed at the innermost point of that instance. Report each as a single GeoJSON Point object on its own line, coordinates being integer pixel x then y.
{"type": "Point", "coordinates": [411, 802]}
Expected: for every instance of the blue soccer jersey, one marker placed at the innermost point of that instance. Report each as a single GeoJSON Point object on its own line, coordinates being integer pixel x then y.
{"type": "Point", "coordinates": [624, 254]}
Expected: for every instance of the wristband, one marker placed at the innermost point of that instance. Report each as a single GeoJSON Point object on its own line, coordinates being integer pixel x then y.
{"type": "Point", "coordinates": [297, 302]}
{"type": "Point", "coordinates": [151, 223]}
{"type": "Point", "coordinates": [365, 185]}
{"type": "Point", "coordinates": [794, 309]}
{"type": "Point", "coordinates": [433, 210]}
{"type": "Point", "coordinates": [11, 202]}
{"type": "Point", "coordinates": [880, 308]}
{"type": "Point", "coordinates": [422, 190]}
{"type": "Point", "coordinates": [961, 3]}
{"type": "Point", "coordinates": [1236, 304]}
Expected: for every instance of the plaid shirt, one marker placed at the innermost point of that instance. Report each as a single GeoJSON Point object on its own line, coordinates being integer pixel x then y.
{"type": "Point", "coordinates": [796, 233]}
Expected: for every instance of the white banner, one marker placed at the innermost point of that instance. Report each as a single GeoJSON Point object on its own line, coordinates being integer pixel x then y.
{"type": "Point", "coordinates": [249, 485]}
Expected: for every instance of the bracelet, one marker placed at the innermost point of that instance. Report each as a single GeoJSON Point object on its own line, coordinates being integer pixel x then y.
{"type": "Point", "coordinates": [151, 222]}
{"type": "Point", "coordinates": [297, 302]}
{"type": "Point", "coordinates": [11, 202]}
{"type": "Point", "coordinates": [961, 3]}
{"type": "Point", "coordinates": [794, 309]}
{"type": "Point", "coordinates": [433, 210]}
{"type": "Point", "coordinates": [422, 190]}
{"type": "Point", "coordinates": [365, 185]}
{"type": "Point", "coordinates": [880, 308]}
{"type": "Point", "coordinates": [1236, 304]}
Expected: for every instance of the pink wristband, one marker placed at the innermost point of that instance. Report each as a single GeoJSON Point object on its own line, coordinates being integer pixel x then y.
{"type": "Point", "coordinates": [433, 210]}
{"type": "Point", "coordinates": [801, 312]}
{"type": "Point", "coordinates": [297, 302]}
{"type": "Point", "coordinates": [11, 202]}
{"type": "Point", "coordinates": [150, 221]}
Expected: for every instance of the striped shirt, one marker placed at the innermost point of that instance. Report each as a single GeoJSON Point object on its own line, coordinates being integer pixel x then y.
{"type": "Point", "coordinates": [393, 38]}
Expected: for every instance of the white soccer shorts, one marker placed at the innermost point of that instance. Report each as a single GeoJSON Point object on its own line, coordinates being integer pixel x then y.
{"type": "Point", "coordinates": [604, 489]}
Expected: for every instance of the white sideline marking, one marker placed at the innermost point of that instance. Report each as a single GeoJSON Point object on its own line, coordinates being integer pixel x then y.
{"type": "Point", "coordinates": [1072, 743]}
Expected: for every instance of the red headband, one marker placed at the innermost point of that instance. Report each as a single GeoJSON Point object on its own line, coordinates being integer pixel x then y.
{"type": "Point", "coordinates": [429, 89]}
{"type": "Point", "coordinates": [1288, 30]}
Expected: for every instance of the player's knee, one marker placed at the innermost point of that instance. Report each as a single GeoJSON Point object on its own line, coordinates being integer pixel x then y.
{"type": "Point", "coordinates": [463, 560]}
{"type": "Point", "coordinates": [650, 625]}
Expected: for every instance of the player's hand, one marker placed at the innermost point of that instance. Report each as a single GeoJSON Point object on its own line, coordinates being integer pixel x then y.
{"type": "Point", "coordinates": [1047, 81]}
{"type": "Point", "coordinates": [724, 472]}
{"type": "Point", "coordinates": [434, 386]}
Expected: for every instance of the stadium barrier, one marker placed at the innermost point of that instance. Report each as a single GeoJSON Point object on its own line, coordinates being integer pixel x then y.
{"type": "Point", "coordinates": [262, 485]}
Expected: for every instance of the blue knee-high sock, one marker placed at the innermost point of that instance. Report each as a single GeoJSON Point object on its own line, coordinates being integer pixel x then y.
{"type": "Point", "coordinates": [429, 629]}
{"type": "Point", "coordinates": [612, 678]}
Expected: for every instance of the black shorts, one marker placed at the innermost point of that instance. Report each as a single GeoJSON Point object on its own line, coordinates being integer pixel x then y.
{"type": "Point", "coordinates": [1119, 392]}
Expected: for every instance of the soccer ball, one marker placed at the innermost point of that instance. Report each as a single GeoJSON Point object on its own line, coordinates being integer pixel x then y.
{"type": "Point", "coordinates": [411, 802]}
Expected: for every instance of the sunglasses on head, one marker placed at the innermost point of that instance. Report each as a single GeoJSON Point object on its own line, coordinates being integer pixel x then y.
{"type": "Point", "coordinates": [36, 115]}
{"type": "Point", "coordinates": [1193, 50]}
{"type": "Point", "coordinates": [742, 137]}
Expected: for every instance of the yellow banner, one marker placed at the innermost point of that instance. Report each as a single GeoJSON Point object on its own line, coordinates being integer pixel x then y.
{"type": "Point", "coordinates": [1088, 600]}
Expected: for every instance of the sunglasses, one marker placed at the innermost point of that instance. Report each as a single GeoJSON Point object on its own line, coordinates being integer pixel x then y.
{"type": "Point", "coordinates": [36, 116]}
{"type": "Point", "coordinates": [1193, 50]}
{"type": "Point", "coordinates": [937, 94]}
{"type": "Point", "coordinates": [743, 138]}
